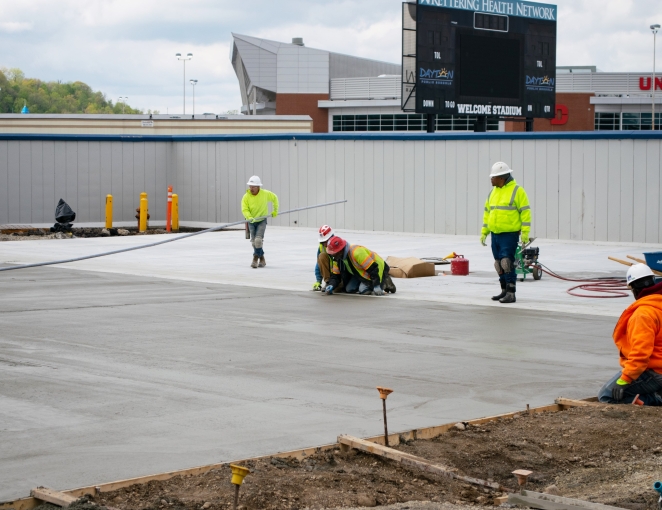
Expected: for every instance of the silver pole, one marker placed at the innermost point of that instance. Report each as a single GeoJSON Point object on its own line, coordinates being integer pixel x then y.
{"type": "Point", "coordinates": [654, 48]}
{"type": "Point", "coordinates": [184, 87]}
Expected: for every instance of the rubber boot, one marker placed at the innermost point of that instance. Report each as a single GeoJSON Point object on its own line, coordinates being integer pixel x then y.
{"type": "Point", "coordinates": [262, 262]}
{"type": "Point", "coordinates": [254, 263]}
{"type": "Point", "coordinates": [503, 292]}
{"type": "Point", "coordinates": [510, 294]}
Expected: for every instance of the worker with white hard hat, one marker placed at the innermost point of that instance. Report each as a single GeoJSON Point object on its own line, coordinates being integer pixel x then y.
{"type": "Point", "coordinates": [255, 208]}
{"type": "Point", "coordinates": [325, 264]}
{"type": "Point", "coordinates": [507, 216]}
{"type": "Point", "coordinates": [638, 337]}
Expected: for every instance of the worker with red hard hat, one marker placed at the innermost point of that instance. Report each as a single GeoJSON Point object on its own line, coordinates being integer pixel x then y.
{"type": "Point", "coordinates": [325, 264]}
{"type": "Point", "coordinates": [638, 337]}
{"type": "Point", "coordinates": [359, 269]}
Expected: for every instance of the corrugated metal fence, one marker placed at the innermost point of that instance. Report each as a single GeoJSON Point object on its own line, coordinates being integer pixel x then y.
{"type": "Point", "coordinates": [581, 186]}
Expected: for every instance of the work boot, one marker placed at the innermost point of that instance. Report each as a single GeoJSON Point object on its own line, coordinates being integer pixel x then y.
{"type": "Point", "coordinates": [503, 292]}
{"type": "Point", "coordinates": [262, 262]}
{"type": "Point", "coordinates": [510, 294]}
{"type": "Point", "coordinates": [388, 285]}
{"type": "Point", "coordinates": [254, 263]}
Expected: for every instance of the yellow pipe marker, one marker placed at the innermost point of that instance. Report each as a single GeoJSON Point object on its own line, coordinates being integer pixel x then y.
{"type": "Point", "coordinates": [175, 212]}
{"type": "Point", "coordinates": [143, 213]}
{"type": "Point", "coordinates": [109, 211]}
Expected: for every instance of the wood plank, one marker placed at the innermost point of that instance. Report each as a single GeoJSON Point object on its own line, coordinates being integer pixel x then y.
{"type": "Point", "coordinates": [567, 402]}
{"type": "Point", "coordinates": [51, 496]}
{"type": "Point", "coordinates": [549, 502]}
{"type": "Point", "coordinates": [413, 461]}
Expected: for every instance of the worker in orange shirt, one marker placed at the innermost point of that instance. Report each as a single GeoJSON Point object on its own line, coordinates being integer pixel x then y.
{"type": "Point", "coordinates": [638, 336]}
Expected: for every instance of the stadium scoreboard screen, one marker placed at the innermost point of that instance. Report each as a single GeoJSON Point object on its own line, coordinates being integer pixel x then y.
{"type": "Point", "coordinates": [479, 57]}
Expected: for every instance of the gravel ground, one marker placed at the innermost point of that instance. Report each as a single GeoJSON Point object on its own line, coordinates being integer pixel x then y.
{"type": "Point", "coordinates": [415, 505]}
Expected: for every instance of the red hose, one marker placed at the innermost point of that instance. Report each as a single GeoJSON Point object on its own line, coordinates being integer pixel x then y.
{"type": "Point", "coordinates": [612, 286]}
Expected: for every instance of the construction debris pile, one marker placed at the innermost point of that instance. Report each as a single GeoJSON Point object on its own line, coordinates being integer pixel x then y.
{"type": "Point", "coordinates": [601, 454]}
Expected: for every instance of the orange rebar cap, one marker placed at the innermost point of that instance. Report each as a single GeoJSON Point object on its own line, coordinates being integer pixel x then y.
{"type": "Point", "coordinates": [384, 392]}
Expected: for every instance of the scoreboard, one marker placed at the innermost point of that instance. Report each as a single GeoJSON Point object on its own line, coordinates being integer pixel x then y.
{"type": "Point", "coordinates": [479, 57]}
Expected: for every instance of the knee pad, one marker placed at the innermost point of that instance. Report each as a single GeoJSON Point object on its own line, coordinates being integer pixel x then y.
{"type": "Point", "coordinates": [506, 265]}
{"type": "Point", "coordinates": [497, 267]}
{"type": "Point", "coordinates": [258, 243]}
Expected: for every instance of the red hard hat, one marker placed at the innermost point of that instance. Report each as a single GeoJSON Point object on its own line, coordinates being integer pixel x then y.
{"type": "Point", "coordinates": [335, 245]}
{"type": "Point", "coordinates": [325, 233]}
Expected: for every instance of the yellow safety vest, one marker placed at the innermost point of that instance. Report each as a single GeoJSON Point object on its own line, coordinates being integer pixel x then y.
{"type": "Point", "coordinates": [507, 209]}
{"type": "Point", "coordinates": [360, 258]}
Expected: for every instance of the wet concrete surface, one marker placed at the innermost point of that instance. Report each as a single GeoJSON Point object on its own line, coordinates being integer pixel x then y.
{"type": "Point", "coordinates": [107, 376]}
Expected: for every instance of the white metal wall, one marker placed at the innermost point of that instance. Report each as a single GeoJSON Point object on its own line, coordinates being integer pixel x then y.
{"type": "Point", "coordinates": [599, 189]}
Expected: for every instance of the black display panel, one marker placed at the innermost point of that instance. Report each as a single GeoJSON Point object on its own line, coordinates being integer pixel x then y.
{"type": "Point", "coordinates": [490, 67]}
{"type": "Point", "coordinates": [476, 63]}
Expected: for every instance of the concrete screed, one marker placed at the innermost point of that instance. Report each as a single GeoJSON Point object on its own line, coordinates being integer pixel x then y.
{"type": "Point", "coordinates": [183, 355]}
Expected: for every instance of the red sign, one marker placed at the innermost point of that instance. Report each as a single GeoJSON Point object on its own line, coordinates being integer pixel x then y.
{"type": "Point", "coordinates": [645, 83]}
{"type": "Point", "coordinates": [563, 119]}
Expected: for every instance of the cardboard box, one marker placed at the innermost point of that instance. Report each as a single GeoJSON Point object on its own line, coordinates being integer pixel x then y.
{"type": "Point", "coordinates": [409, 267]}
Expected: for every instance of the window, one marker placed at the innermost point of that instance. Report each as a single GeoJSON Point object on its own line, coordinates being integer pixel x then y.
{"type": "Point", "coordinates": [407, 122]}
{"type": "Point", "coordinates": [607, 121]}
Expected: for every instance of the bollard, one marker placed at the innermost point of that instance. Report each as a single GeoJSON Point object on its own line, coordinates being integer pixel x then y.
{"type": "Point", "coordinates": [143, 212]}
{"type": "Point", "coordinates": [109, 211]}
{"type": "Point", "coordinates": [238, 475]}
{"type": "Point", "coordinates": [175, 212]}
{"type": "Point", "coordinates": [169, 210]}
{"type": "Point", "coordinates": [383, 393]}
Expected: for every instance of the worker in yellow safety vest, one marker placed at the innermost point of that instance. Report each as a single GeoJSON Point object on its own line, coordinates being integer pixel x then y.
{"type": "Point", "coordinates": [507, 216]}
{"type": "Point", "coordinates": [254, 205]}
{"type": "Point", "coordinates": [358, 269]}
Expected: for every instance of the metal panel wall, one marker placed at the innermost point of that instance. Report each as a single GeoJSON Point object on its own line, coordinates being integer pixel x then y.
{"type": "Point", "coordinates": [581, 188]}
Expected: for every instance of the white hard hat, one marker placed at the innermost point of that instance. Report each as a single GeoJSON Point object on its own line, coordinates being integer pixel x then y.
{"type": "Point", "coordinates": [637, 272]}
{"type": "Point", "coordinates": [254, 181]}
{"type": "Point", "coordinates": [500, 168]}
{"type": "Point", "coordinates": [325, 233]}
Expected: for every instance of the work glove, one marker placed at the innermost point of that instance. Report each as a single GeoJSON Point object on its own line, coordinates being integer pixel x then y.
{"type": "Point", "coordinates": [525, 239]}
{"type": "Point", "coordinates": [482, 239]}
{"type": "Point", "coordinates": [378, 290]}
{"type": "Point", "coordinates": [618, 391]}
{"type": "Point", "coordinates": [328, 291]}
{"type": "Point", "coordinates": [274, 214]}
{"type": "Point", "coordinates": [317, 286]}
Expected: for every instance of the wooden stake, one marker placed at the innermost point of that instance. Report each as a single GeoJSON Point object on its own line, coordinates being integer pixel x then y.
{"type": "Point", "coordinates": [51, 496]}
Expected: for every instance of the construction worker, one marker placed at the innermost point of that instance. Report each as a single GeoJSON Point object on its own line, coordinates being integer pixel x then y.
{"type": "Point", "coordinates": [507, 216]}
{"type": "Point", "coordinates": [358, 269]}
{"type": "Point", "coordinates": [638, 337]}
{"type": "Point", "coordinates": [254, 206]}
{"type": "Point", "coordinates": [325, 264]}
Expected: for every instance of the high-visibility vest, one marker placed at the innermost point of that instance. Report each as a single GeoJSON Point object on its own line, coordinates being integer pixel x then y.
{"type": "Point", "coordinates": [507, 209]}
{"type": "Point", "coordinates": [360, 258]}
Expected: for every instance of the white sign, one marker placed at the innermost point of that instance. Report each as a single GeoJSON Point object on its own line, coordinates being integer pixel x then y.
{"type": "Point", "coordinates": [147, 123]}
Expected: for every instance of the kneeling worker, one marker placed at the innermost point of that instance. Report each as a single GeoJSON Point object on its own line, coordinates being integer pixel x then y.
{"type": "Point", "coordinates": [325, 264]}
{"type": "Point", "coordinates": [254, 204]}
{"type": "Point", "coordinates": [638, 336]}
{"type": "Point", "coordinates": [507, 214]}
{"type": "Point", "coordinates": [359, 269]}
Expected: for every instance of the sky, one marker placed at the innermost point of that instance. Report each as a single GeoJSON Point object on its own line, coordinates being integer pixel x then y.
{"type": "Point", "coordinates": [127, 47]}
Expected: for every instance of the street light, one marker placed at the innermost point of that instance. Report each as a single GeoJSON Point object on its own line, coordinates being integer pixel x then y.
{"type": "Point", "coordinates": [123, 101]}
{"type": "Point", "coordinates": [193, 84]}
{"type": "Point", "coordinates": [654, 28]}
{"type": "Point", "coordinates": [188, 56]}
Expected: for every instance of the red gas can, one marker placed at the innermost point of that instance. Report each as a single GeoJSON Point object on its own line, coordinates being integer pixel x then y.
{"type": "Point", "coordinates": [460, 266]}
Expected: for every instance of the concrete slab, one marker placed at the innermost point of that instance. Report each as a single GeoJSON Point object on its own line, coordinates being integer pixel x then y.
{"type": "Point", "coordinates": [182, 355]}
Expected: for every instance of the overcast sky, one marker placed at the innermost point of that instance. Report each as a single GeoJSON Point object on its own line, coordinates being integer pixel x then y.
{"type": "Point", "coordinates": [127, 47]}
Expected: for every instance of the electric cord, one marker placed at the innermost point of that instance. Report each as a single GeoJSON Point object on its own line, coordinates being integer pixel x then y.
{"type": "Point", "coordinates": [612, 286]}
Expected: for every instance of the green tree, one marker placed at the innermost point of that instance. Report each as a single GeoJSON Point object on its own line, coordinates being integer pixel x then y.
{"type": "Point", "coordinates": [52, 97]}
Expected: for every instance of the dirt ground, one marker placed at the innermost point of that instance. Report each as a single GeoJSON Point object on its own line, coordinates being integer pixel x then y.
{"type": "Point", "coordinates": [602, 454]}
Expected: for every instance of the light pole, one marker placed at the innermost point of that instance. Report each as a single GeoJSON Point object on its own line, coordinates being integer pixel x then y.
{"type": "Point", "coordinates": [123, 101]}
{"type": "Point", "coordinates": [193, 84]}
{"type": "Point", "coordinates": [654, 28]}
{"type": "Point", "coordinates": [188, 56]}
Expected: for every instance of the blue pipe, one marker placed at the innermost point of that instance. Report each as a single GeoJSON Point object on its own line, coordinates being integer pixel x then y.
{"type": "Point", "coordinates": [658, 487]}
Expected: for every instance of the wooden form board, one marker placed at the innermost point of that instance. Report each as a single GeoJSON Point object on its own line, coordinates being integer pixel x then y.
{"type": "Point", "coordinates": [51, 496]}
{"type": "Point", "coordinates": [394, 439]}
{"type": "Point", "coordinates": [549, 502]}
{"type": "Point", "coordinates": [413, 461]}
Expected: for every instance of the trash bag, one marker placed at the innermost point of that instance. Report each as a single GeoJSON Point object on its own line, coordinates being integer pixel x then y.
{"type": "Point", "coordinates": [64, 213]}
{"type": "Point", "coordinates": [62, 227]}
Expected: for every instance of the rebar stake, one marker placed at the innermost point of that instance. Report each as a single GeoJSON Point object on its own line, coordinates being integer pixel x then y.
{"type": "Point", "coordinates": [383, 393]}
{"type": "Point", "coordinates": [238, 475]}
{"type": "Point", "coordinates": [236, 497]}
